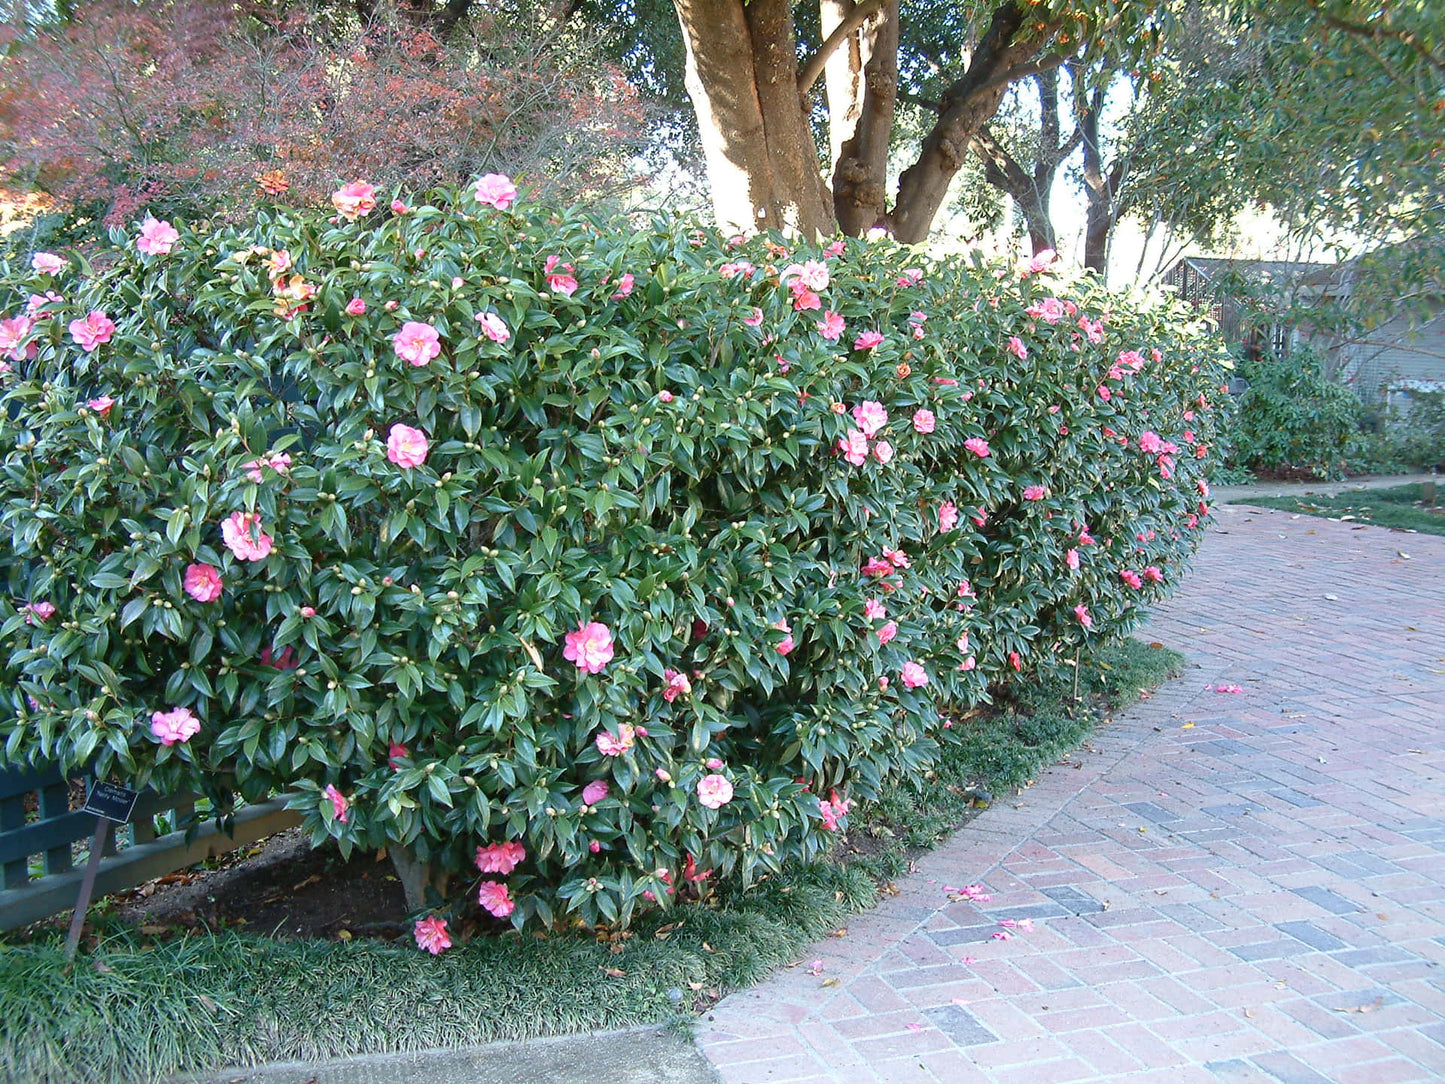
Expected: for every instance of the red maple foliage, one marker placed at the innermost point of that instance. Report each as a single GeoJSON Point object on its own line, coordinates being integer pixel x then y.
{"type": "Point", "coordinates": [188, 103]}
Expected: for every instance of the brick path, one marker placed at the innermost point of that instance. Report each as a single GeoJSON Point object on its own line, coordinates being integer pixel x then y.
{"type": "Point", "coordinates": [1257, 897]}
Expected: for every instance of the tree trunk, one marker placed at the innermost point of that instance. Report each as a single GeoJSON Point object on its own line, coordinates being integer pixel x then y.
{"type": "Point", "coordinates": [417, 875]}
{"type": "Point", "coordinates": [1030, 193]}
{"type": "Point", "coordinates": [1099, 188]}
{"type": "Point", "coordinates": [862, 82]}
{"type": "Point", "coordinates": [742, 76]}
{"type": "Point", "coordinates": [966, 106]}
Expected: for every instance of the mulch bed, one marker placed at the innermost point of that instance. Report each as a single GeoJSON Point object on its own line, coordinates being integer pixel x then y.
{"type": "Point", "coordinates": [278, 888]}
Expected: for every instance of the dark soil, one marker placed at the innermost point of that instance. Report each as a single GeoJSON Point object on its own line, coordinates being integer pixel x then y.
{"type": "Point", "coordinates": [279, 888]}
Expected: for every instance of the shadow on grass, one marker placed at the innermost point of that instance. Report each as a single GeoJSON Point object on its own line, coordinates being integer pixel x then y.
{"type": "Point", "coordinates": [138, 1009]}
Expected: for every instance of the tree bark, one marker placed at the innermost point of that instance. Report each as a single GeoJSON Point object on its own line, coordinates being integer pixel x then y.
{"type": "Point", "coordinates": [1001, 170]}
{"type": "Point", "coordinates": [1099, 187]}
{"type": "Point", "coordinates": [862, 83]}
{"type": "Point", "coordinates": [416, 877]}
{"type": "Point", "coordinates": [966, 106]}
{"type": "Point", "coordinates": [742, 76]}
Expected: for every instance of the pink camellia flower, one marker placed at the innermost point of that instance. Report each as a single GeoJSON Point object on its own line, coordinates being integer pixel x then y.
{"type": "Point", "coordinates": [47, 263]}
{"type": "Point", "coordinates": [13, 330]}
{"type": "Point", "coordinates": [754, 318]}
{"type": "Point", "coordinates": [101, 406]}
{"type": "Point", "coordinates": [624, 286]}
{"type": "Point", "coordinates": [1153, 575]}
{"type": "Point", "coordinates": [1131, 578]}
{"type": "Point", "coordinates": [924, 421]}
{"type": "Point", "coordinates": [398, 207]}
{"type": "Point", "coordinates": [203, 583]}
{"type": "Point", "coordinates": [431, 935]}
{"type": "Point", "coordinates": [883, 451]}
{"type": "Point", "coordinates": [609, 746]}
{"type": "Point", "coordinates": [714, 791]}
{"type": "Point", "coordinates": [873, 609]}
{"type": "Point", "coordinates": [339, 803]}
{"type": "Point", "coordinates": [1071, 558]}
{"type": "Point", "coordinates": [897, 558]}
{"type": "Point", "coordinates": [836, 248]}
{"type": "Point", "coordinates": [867, 340]}
{"type": "Point", "coordinates": [914, 676]}
{"type": "Point", "coordinates": [156, 238]}
{"type": "Point", "coordinates": [803, 298]}
{"type": "Point", "coordinates": [1082, 613]}
{"type": "Point", "coordinates": [595, 791]}
{"type": "Point", "coordinates": [676, 685]}
{"type": "Point", "coordinates": [1034, 493]}
{"type": "Point", "coordinates": [853, 447]}
{"type": "Point", "coordinates": [870, 416]}
{"type": "Point", "coordinates": [281, 464]}
{"type": "Point", "coordinates": [560, 282]}
{"type": "Point", "coordinates": [590, 647]}
{"type": "Point", "coordinates": [1104, 392]}
{"type": "Point", "coordinates": [495, 190]}
{"type": "Point", "coordinates": [831, 326]}
{"type": "Point", "coordinates": [714, 764]}
{"type": "Point", "coordinates": [406, 447]}
{"type": "Point", "coordinates": [43, 610]}
{"type": "Point", "coordinates": [786, 645]}
{"type": "Point", "coordinates": [910, 276]}
{"type": "Point", "coordinates": [493, 897]}
{"type": "Point", "coordinates": [416, 343]}
{"type": "Point", "coordinates": [493, 327]}
{"type": "Point", "coordinates": [176, 725]}
{"type": "Point", "coordinates": [395, 753]}
{"type": "Point", "coordinates": [812, 275]}
{"type": "Point", "coordinates": [1094, 329]}
{"type": "Point", "coordinates": [1051, 310]}
{"type": "Point", "coordinates": [1130, 359]}
{"type": "Point", "coordinates": [963, 644]}
{"type": "Point", "coordinates": [877, 566]}
{"type": "Point", "coordinates": [1017, 348]}
{"type": "Point", "coordinates": [978, 446]}
{"type": "Point", "coordinates": [354, 200]}
{"type": "Point", "coordinates": [968, 663]}
{"type": "Point", "coordinates": [947, 516]}
{"type": "Point", "coordinates": [356, 307]}
{"type": "Point", "coordinates": [94, 329]}
{"type": "Point", "coordinates": [243, 535]}
{"type": "Point", "coordinates": [1150, 443]}
{"type": "Point", "coordinates": [887, 633]}
{"type": "Point", "coordinates": [500, 857]}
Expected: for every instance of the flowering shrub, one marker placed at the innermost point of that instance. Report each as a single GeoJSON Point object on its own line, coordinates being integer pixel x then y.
{"type": "Point", "coordinates": [592, 562]}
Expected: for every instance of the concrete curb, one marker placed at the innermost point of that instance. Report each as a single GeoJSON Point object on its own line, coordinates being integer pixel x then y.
{"type": "Point", "coordinates": [653, 1055]}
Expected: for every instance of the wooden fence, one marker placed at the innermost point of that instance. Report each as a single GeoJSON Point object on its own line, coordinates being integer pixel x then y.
{"type": "Point", "coordinates": [37, 821]}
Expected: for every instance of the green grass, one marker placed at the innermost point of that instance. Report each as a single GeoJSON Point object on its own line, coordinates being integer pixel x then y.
{"type": "Point", "coordinates": [137, 1010]}
{"type": "Point", "coordinates": [1397, 507]}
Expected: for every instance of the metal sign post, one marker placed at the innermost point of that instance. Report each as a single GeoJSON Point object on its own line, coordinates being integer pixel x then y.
{"type": "Point", "coordinates": [108, 802]}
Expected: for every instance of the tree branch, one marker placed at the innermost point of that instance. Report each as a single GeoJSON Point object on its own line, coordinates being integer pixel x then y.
{"type": "Point", "coordinates": [933, 105]}
{"type": "Point", "coordinates": [1365, 30]}
{"type": "Point", "coordinates": [813, 67]}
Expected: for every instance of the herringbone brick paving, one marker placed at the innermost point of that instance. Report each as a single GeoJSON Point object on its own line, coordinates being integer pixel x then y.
{"type": "Point", "coordinates": [1223, 887]}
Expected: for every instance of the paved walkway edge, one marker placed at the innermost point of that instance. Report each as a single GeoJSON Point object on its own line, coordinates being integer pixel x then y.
{"type": "Point", "coordinates": [650, 1055]}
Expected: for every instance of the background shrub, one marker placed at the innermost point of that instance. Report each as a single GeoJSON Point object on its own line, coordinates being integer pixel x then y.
{"type": "Point", "coordinates": [653, 446]}
{"type": "Point", "coordinates": [1292, 417]}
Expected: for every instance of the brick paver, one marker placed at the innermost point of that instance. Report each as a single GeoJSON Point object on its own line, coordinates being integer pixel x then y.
{"type": "Point", "coordinates": [1223, 887]}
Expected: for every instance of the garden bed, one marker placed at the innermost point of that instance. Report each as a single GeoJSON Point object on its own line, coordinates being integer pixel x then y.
{"type": "Point", "coordinates": [286, 983]}
{"type": "Point", "coordinates": [1399, 508]}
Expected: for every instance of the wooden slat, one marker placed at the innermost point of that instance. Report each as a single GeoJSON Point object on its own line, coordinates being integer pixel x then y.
{"type": "Point", "coordinates": [23, 780]}
{"type": "Point", "coordinates": [141, 863]}
{"type": "Point", "coordinates": [44, 836]}
{"type": "Point", "coordinates": [14, 871]}
{"type": "Point", "coordinates": [54, 804]}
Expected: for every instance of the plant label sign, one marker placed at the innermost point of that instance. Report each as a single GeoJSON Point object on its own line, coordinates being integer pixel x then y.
{"type": "Point", "coordinates": [111, 801]}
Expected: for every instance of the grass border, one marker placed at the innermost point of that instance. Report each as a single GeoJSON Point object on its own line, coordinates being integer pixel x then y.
{"type": "Point", "coordinates": [1391, 508]}
{"type": "Point", "coordinates": [137, 1009]}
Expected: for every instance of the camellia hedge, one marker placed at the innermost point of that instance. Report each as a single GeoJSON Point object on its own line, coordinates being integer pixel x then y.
{"type": "Point", "coordinates": [582, 562]}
